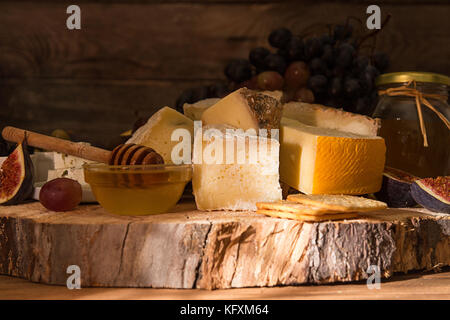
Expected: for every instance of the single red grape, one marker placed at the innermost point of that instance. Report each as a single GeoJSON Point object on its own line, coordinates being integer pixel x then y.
{"type": "Point", "coordinates": [61, 194]}
{"type": "Point", "coordinates": [250, 84]}
{"type": "Point", "coordinates": [270, 80]}
{"type": "Point", "coordinates": [296, 75]}
{"type": "Point", "coordinates": [304, 95]}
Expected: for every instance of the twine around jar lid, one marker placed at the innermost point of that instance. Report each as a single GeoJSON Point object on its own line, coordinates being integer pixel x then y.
{"type": "Point", "coordinates": [405, 77]}
{"type": "Point", "coordinates": [410, 90]}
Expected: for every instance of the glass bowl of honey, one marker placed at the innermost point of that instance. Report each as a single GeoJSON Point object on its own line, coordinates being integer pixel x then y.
{"type": "Point", "coordinates": [137, 189]}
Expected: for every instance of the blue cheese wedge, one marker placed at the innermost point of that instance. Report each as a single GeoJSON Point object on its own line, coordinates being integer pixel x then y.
{"type": "Point", "coordinates": [63, 161]}
{"type": "Point", "coordinates": [51, 165]}
{"type": "Point", "coordinates": [71, 173]}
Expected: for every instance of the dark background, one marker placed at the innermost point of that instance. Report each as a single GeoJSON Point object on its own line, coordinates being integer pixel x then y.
{"type": "Point", "coordinates": [139, 55]}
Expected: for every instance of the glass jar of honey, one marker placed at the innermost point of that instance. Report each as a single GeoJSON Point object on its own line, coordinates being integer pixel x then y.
{"type": "Point", "coordinates": [414, 112]}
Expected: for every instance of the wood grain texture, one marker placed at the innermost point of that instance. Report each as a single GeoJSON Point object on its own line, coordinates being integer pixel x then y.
{"type": "Point", "coordinates": [193, 249]}
{"type": "Point", "coordinates": [139, 55]}
{"type": "Point", "coordinates": [426, 286]}
{"type": "Point", "coordinates": [93, 111]}
{"type": "Point", "coordinates": [194, 40]}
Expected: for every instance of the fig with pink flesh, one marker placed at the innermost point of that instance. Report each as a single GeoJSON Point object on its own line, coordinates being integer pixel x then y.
{"type": "Point", "coordinates": [433, 193]}
{"type": "Point", "coordinates": [16, 176]}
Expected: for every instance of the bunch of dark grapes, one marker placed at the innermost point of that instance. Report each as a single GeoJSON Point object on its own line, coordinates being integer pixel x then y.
{"type": "Point", "coordinates": [330, 69]}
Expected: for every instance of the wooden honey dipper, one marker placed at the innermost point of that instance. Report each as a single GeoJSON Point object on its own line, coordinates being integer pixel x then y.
{"type": "Point", "coordinates": [124, 154]}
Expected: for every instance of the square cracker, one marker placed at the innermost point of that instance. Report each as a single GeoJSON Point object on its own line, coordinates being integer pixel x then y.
{"type": "Point", "coordinates": [294, 207]}
{"type": "Point", "coordinates": [340, 203]}
{"type": "Point", "coordinates": [308, 218]}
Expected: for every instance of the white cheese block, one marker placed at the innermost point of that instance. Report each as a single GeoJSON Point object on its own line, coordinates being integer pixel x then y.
{"type": "Point", "coordinates": [71, 173]}
{"type": "Point", "coordinates": [43, 162]}
{"type": "Point", "coordinates": [157, 132]}
{"type": "Point", "coordinates": [194, 111]}
{"type": "Point", "coordinates": [63, 161]}
{"type": "Point", "coordinates": [240, 178]}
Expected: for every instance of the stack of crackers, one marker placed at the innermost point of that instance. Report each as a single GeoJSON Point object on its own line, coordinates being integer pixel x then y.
{"type": "Point", "coordinates": [319, 207]}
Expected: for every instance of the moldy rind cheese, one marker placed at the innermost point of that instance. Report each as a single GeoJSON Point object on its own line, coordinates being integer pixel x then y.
{"type": "Point", "coordinates": [276, 94]}
{"type": "Point", "coordinates": [317, 160]}
{"type": "Point", "coordinates": [245, 109]}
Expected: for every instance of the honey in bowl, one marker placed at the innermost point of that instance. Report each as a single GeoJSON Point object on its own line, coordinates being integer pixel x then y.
{"type": "Point", "coordinates": [137, 189]}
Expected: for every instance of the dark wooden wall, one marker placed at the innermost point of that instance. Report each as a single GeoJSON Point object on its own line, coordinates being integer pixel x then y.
{"type": "Point", "coordinates": [139, 55]}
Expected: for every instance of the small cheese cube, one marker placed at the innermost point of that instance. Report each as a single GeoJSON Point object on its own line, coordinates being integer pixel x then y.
{"type": "Point", "coordinates": [246, 109]}
{"type": "Point", "coordinates": [157, 132]}
{"type": "Point", "coordinates": [244, 172]}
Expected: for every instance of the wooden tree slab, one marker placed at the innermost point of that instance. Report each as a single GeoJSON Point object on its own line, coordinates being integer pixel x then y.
{"type": "Point", "coordinates": [191, 249]}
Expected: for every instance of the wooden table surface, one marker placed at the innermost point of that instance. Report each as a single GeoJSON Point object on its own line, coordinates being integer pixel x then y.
{"type": "Point", "coordinates": [432, 285]}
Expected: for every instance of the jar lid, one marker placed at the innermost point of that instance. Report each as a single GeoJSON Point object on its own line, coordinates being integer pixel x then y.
{"type": "Point", "coordinates": [402, 77]}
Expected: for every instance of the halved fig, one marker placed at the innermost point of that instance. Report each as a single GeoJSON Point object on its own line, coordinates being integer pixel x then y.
{"type": "Point", "coordinates": [396, 188]}
{"type": "Point", "coordinates": [432, 193]}
{"type": "Point", "coordinates": [16, 176]}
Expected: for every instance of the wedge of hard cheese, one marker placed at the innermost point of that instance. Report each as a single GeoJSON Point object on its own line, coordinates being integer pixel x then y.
{"type": "Point", "coordinates": [246, 109]}
{"type": "Point", "coordinates": [234, 171]}
{"type": "Point", "coordinates": [324, 117]}
{"type": "Point", "coordinates": [157, 132]}
{"type": "Point", "coordinates": [195, 111]}
{"type": "Point", "coordinates": [318, 160]}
